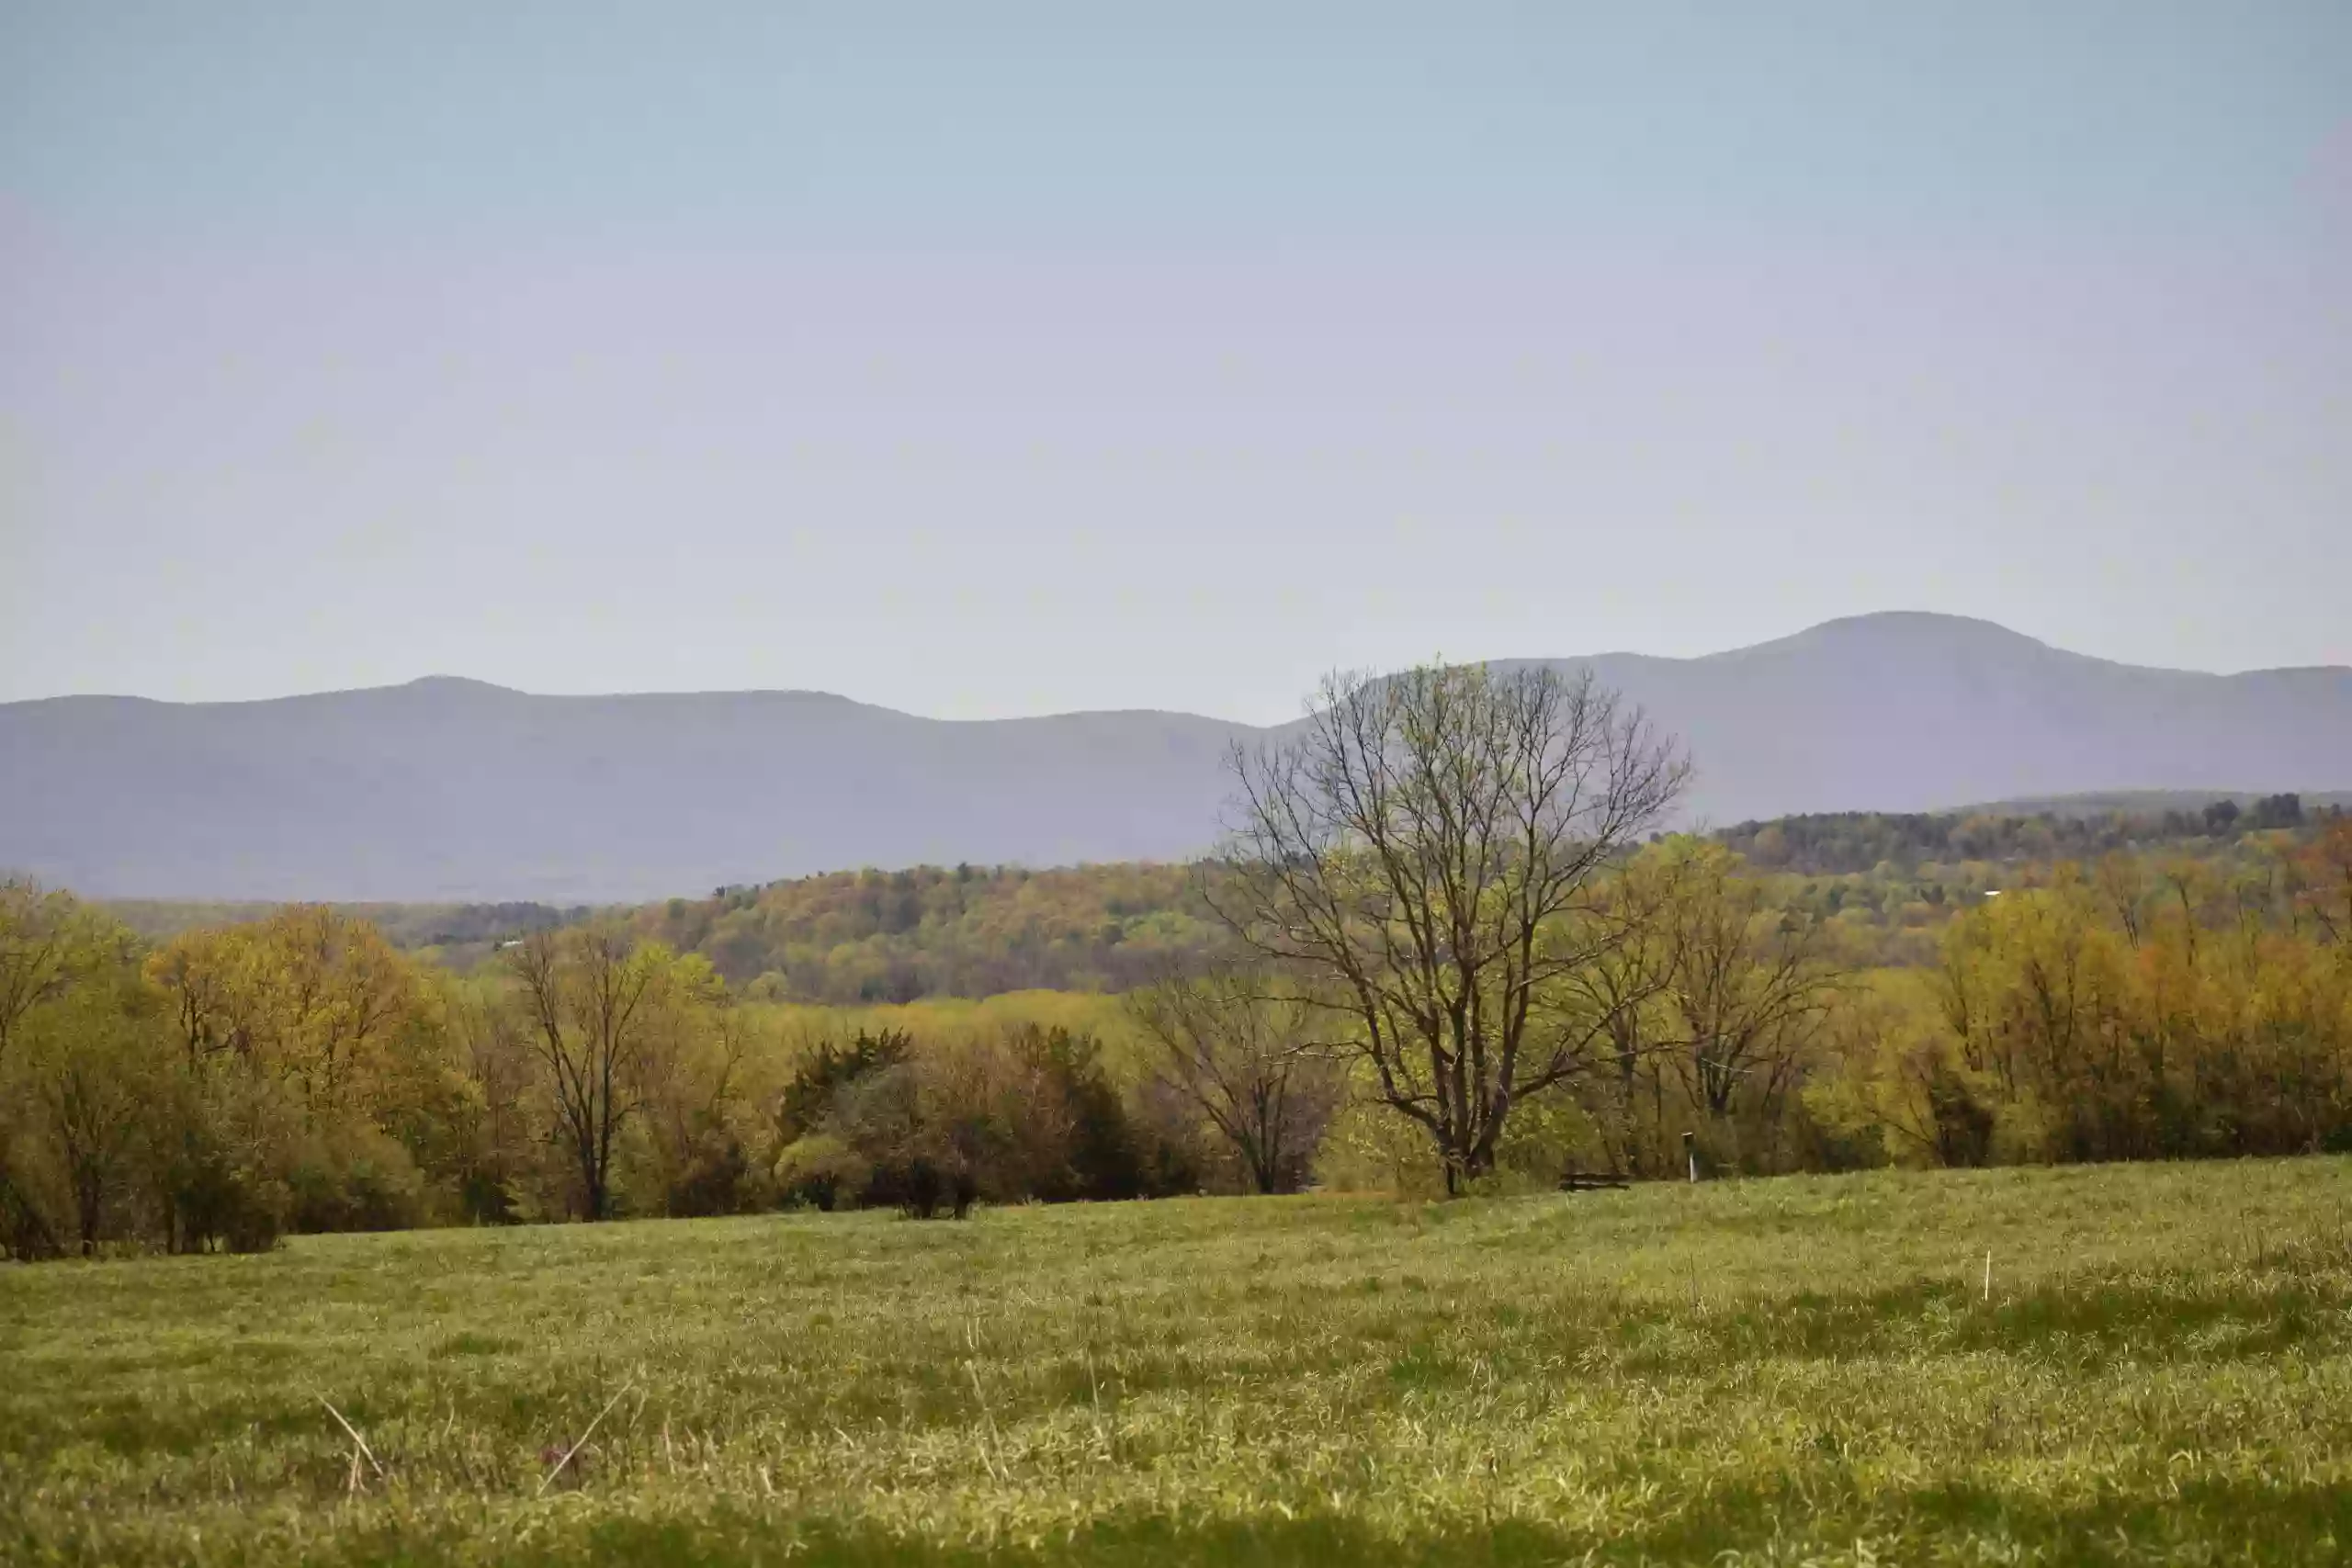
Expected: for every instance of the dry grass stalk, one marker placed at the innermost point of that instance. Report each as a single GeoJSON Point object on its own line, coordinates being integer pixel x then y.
{"type": "Point", "coordinates": [549, 1479]}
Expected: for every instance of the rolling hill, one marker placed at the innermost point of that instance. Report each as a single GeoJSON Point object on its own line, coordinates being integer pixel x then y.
{"type": "Point", "coordinates": [452, 789]}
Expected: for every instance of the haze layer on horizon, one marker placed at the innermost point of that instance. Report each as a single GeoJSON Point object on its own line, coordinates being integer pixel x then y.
{"type": "Point", "coordinates": [978, 361]}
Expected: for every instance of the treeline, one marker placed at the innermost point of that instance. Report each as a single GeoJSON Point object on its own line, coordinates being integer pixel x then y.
{"type": "Point", "coordinates": [875, 936]}
{"type": "Point", "coordinates": [463, 931]}
{"type": "Point", "coordinates": [1026, 1115]}
{"type": "Point", "coordinates": [1887, 883]}
{"type": "Point", "coordinates": [300, 1073]}
{"type": "Point", "coordinates": [868, 938]}
{"type": "Point", "coordinates": [2128, 1010]}
{"type": "Point", "coordinates": [1847, 842]}
{"type": "Point", "coordinates": [2132, 1009]}
{"type": "Point", "coordinates": [843, 938]}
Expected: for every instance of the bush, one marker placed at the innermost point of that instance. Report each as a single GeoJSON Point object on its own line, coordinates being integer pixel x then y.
{"type": "Point", "coordinates": [1026, 1115]}
{"type": "Point", "coordinates": [808, 1100]}
{"type": "Point", "coordinates": [220, 1206]}
{"type": "Point", "coordinates": [923, 1149]}
{"type": "Point", "coordinates": [819, 1172]}
{"type": "Point", "coordinates": [486, 1198]}
{"type": "Point", "coordinates": [355, 1179]}
{"type": "Point", "coordinates": [716, 1180]}
{"type": "Point", "coordinates": [1099, 1155]}
{"type": "Point", "coordinates": [218, 1188]}
{"type": "Point", "coordinates": [26, 1233]}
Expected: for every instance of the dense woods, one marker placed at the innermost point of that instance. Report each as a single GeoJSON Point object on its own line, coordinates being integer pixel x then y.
{"type": "Point", "coordinates": [895, 936]}
{"type": "Point", "coordinates": [863, 937]}
{"type": "Point", "coordinates": [845, 938]}
{"type": "Point", "coordinates": [1815, 993]}
{"type": "Point", "coordinates": [1865, 840]}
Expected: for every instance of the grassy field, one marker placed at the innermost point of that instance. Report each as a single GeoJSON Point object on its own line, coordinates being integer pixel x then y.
{"type": "Point", "coordinates": [1801, 1370]}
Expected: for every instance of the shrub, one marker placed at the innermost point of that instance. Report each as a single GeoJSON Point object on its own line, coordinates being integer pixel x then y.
{"type": "Point", "coordinates": [819, 1171]}
{"type": "Point", "coordinates": [717, 1178]}
{"type": "Point", "coordinates": [355, 1179]}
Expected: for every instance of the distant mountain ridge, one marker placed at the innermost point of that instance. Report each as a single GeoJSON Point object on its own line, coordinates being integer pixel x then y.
{"type": "Point", "coordinates": [447, 788]}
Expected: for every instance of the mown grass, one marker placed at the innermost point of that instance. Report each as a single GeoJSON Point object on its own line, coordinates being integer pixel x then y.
{"type": "Point", "coordinates": [1800, 1370]}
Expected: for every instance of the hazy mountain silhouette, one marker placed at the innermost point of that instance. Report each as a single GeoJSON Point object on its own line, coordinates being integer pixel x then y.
{"type": "Point", "coordinates": [447, 788]}
{"type": "Point", "coordinates": [1912, 712]}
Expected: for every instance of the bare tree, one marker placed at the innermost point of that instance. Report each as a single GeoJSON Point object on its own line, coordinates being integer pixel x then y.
{"type": "Point", "coordinates": [1429, 848]}
{"type": "Point", "coordinates": [1748, 984]}
{"type": "Point", "coordinates": [1244, 1059]}
{"type": "Point", "coordinates": [588, 991]}
{"type": "Point", "coordinates": [495, 1041]}
{"type": "Point", "coordinates": [1617, 991]}
{"type": "Point", "coordinates": [689, 1076]}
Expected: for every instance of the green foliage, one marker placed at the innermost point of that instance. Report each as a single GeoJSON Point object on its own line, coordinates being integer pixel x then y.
{"type": "Point", "coordinates": [820, 1168]}
{"type": "Point", "coordinates": [1024, 1115]}
{"type": "Point", "coordinates": [1795, 1370]}
{"type": "Point", "coordinates": [298, 1073]}
{"type": "Point", "coordinates": [870, 936]}
{"type": "Point", "coordinates": [462, 934]}
{"type": "Point", "coordinates": [354, 1177]}
{"type": "Point", "coordinates": [1848, 841]}
{"type": "Point", "coordinates": [809, 1098]}
{"type": "Point", "coordinates": [845, 938]}
{"type": "Point", "coordinates": [816, 1165]}
{"type": "Point", "coordinates": [219, 1137]}
{"type": "Point", "coordinates": [1229, 1060]}
{"type": "Point", "coordinates": [1103, 1156]}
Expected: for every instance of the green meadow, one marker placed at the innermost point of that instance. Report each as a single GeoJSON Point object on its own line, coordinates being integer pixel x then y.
{"type": "Point", "coordinates": [1808, 1369]}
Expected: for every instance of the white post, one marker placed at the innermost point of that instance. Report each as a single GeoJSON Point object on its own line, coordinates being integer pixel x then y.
{"type": "Point", "coordinates": [1691, 1153]}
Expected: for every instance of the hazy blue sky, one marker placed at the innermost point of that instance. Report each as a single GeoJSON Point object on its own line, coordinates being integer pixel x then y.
{"type": "Point", "coordinates": [997, 358]}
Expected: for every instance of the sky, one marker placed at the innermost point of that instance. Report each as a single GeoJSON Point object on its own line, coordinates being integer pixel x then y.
{"type": "Point", "coordinates": [980, 360]}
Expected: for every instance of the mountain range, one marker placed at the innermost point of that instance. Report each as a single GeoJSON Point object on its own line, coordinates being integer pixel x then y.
{"type": "Point", "coordinates": [453, 789]}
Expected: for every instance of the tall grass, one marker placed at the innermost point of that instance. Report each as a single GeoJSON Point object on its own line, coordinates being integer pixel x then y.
{"type": "Point", "coordinates": [1798, 1371]}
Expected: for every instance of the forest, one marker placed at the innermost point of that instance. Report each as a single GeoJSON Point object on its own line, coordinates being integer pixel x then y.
{"type": "Point", "coordinates": [1811, 994]}
{"type": "Point", "coordinates": [861, 937]}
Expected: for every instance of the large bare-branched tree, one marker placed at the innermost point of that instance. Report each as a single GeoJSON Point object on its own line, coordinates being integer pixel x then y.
{"type": "Point", "coordinates": [1245, 1059]}
{"type": "Point", "coordinates": [1748, 984]}
{"type": "Point", "coordinates": [1617, 990]}
{"type": "Point", "coordinates": [591, 994]}
{"type": "Point", "coordinates": [1431, 850]}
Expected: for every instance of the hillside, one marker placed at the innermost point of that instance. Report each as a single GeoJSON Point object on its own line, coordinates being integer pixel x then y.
{"type": "Point", "coordinates": [858, 938]}
{"type": "Point", "coordinates": [2144, 803]}
{"type": "Point", "coordinates": [452, 790]}
{"type": "Point", "coordinates": [1907, 712]}
{"type": "Point", "coordinates": [844, 938]}
{"type": "Point", "coordinates": [446, 789]}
